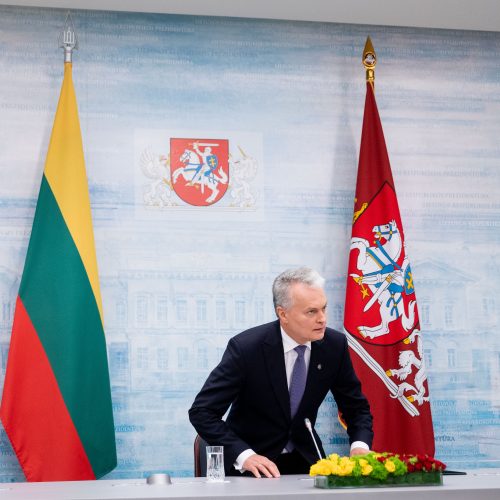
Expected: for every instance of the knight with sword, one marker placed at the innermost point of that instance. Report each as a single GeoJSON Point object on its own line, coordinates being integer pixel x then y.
{"type": "Point", "coordinates": [208, 163]}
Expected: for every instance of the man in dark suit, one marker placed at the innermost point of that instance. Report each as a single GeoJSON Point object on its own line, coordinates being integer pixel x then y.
{"type": "Point", "coordinates": [276, 375]}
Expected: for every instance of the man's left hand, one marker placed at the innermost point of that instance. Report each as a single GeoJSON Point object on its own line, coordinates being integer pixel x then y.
{"type": "Point", "coordinates": [359, 451]}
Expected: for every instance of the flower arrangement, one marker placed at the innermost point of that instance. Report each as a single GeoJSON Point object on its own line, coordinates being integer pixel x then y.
{"type": "Point", "coordinates": [377, 469]}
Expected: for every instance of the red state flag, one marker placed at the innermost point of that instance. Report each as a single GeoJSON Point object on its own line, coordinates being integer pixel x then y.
{"type": "Point", "coordinates": [381, 317]}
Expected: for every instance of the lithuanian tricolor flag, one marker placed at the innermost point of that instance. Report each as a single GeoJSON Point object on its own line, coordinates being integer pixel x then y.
{"type": "Point", "coordinates": [56, 403]}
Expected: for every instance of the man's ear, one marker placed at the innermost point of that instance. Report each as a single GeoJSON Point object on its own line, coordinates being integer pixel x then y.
{"type": "Point", "coordinates": [281, 315]}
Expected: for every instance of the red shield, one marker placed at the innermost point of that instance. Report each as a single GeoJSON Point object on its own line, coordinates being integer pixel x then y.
{"type": "Point", "coordinates": [380, 285]}
{"type": "Point", "coordinates": [199, 169]}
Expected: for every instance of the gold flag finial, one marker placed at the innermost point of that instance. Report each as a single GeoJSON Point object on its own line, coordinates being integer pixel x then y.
{"type": "Point", "coordinates": [369, 61]}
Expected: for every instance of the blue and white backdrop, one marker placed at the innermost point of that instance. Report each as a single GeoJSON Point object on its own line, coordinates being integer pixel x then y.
{"type": "Point", "coordinates": [177, 280]}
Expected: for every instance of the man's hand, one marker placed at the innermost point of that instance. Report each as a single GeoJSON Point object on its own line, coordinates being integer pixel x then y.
{"type": "Point", "coordinates": [359, 451]}
{"type": "Point", "coordinates": [258, 464]}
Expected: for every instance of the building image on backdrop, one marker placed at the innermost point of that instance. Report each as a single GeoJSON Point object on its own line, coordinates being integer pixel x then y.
{"type": "Point", "coordinates": [179, 279]}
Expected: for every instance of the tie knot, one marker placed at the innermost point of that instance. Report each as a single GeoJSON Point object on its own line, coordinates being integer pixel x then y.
{"type": "Point", "coordinates": [300, 350]}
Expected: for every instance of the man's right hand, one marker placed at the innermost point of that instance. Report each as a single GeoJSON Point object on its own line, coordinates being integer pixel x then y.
{"type": "Point", "coordinates": [260, 466]}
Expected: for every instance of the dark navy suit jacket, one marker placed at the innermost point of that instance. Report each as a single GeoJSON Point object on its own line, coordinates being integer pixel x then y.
{"type": "Point", "coordinates": [251, 380]}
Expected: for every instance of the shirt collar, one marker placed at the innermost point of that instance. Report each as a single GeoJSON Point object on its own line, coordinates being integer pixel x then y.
{"type": "Point", "coordinates": [290, 344]}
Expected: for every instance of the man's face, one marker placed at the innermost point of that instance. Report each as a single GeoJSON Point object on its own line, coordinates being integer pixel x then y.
{"type": "Point", "coordinates": [305, 319]}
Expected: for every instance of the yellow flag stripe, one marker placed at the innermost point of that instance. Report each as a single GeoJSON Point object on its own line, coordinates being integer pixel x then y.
{"type": "Point", "coordinates": [65, 173]}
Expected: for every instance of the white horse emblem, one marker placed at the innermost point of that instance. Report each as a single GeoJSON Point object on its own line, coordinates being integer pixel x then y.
{"type": "Point", "coordinates": [385, 279]}
{"type": "Point", "coordinates": [201, 170]}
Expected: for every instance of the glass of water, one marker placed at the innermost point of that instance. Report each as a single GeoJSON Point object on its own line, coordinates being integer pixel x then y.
{"type": "Point", "coordinates": [215, 463]}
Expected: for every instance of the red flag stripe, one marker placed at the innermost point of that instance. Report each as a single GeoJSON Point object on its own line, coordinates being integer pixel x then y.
{"type": "Point", "coordinates": [36, 389]}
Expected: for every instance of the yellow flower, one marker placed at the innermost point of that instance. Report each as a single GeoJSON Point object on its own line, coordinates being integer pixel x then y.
{"type": "Point", "coordinates": [321, 468]}
{"type": "Point", "coordinates": [389, 465]}
{"type": "Point", "coordinates": [346, 466]}
{"type": "Point", "coordinates": [366, 469]}
{"type": "Point", "coordinates": [363, 462]}
{"type": "Point", "coordinates": [335, 468]}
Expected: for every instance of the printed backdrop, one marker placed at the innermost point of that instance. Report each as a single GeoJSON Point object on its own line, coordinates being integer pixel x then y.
{"type": "Point", "coordinates": [178, 279]}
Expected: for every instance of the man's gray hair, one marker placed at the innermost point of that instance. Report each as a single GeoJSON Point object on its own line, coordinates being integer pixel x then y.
{"type": "Point", "coordinates": [282, 283]}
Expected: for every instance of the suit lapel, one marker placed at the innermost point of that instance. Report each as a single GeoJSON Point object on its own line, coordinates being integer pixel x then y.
{"type": "Point", "coordinates": [275, 362]}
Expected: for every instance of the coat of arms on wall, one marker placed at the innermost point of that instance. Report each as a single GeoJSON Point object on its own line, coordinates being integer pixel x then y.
{"type": "Point", "coordinates": [199, 172]}
{"type": "Point", "coordinates": [199, 169]}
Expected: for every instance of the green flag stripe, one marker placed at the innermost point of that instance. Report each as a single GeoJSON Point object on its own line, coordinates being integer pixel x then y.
{"type": "Point", "coordinates": [58, 298]}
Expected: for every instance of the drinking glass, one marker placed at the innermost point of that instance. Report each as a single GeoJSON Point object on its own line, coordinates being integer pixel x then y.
{"type": "Point", "coordinates": [215, 463]}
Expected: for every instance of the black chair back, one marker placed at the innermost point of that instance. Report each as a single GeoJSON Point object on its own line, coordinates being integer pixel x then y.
{"type": "Point", "coordinates": [200, 457]}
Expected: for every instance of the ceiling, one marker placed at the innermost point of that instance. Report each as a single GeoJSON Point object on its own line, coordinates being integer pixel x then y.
{"type": "Point", "coordinates": [483, 15]}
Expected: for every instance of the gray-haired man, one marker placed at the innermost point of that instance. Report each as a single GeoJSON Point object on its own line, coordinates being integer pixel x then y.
{"type": "Point", "coordinates": [276, 375]}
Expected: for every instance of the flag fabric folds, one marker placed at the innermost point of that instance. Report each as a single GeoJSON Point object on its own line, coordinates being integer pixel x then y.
{"type": "Point", "coordinates": [381, 316]}
{"type": "Point", "coordinates": [56, 404]}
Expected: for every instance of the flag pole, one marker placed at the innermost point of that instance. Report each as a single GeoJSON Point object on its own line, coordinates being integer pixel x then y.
{"type": "Point", "coordinates": [56, 406]}
{"type": "Point", "coordinates": [378, 278]}
{"type": "Point", "coordinates": [369, 62]}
